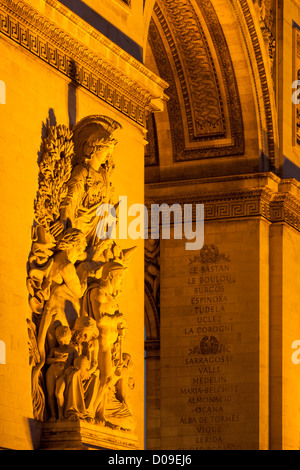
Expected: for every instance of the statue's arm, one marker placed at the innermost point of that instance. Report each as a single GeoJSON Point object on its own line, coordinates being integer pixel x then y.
{"type": "Point", "coordinates": [50, 358]}
{"type": "Point", "coordinates": [72, 357]}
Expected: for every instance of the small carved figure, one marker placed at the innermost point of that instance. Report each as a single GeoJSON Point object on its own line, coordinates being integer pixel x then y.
{"type": "Point", "coordinates": [74, 279]}
{"type": "Point", "coordinates": [152, 266]}
{"type": "Point", "coordinates": [65, 289]}
{"type": "Point", "coordinates": [65, 283]}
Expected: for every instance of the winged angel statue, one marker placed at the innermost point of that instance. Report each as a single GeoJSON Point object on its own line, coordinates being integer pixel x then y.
{"type": "Point", "coordinates": [79, 368]}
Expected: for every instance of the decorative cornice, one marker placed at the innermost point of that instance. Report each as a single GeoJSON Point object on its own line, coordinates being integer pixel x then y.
{"type": "Point", "coordinates": [222, 204]}
{"type": "Point", "coordinates": [107, 43]}
{"type": "Point", "coordinates": [196, 112]}
{"type": "Point", "coordinates": [281, 205]}
{"type": "Point", "coordinates": [152, 345]}
{"type": "Point", "coordinates": [34, 32]}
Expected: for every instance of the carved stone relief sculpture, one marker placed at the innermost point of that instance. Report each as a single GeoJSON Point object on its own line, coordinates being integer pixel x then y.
{"type": "Point", "coordinates": [80, 370]}
{"type": "Point", "coordinates": [152, 270]}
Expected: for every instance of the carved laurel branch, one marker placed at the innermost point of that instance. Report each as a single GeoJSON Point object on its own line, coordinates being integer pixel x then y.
{"type": "Point", "coordinates": [264, 202]}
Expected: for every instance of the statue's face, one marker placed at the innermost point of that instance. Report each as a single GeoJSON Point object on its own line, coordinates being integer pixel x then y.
{"type": "Point", "coordinates": [117, 284]}
{"type": "Point", "coordinates": [102, 155]}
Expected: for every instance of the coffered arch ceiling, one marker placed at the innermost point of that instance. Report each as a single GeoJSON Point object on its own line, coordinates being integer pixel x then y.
{"type": "Point", "coordinates": [209, 112]}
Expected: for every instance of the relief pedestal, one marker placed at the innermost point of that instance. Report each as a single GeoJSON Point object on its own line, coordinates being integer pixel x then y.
{"type": "Point", "coordinates": [228, 319]}
{"type": "Point", "coordinates": [84, 436]}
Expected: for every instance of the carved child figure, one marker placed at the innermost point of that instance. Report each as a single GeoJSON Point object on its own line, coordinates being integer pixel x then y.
{"type": "Point", "coordinates": [59, 358]}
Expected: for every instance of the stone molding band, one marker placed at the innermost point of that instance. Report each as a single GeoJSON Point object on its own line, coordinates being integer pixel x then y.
{"type": "Point", "coordinates": [83, 436]}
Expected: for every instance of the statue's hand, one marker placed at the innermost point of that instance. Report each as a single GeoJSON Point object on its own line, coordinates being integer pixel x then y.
{"type": "Point", "coordinates": [85, 375]}
{"type": "Point", "coordinates": [118, 370]}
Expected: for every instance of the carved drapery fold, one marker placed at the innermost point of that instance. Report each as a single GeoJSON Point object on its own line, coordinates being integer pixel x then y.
{"type": "Point", "coordinates": [152, 289]}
